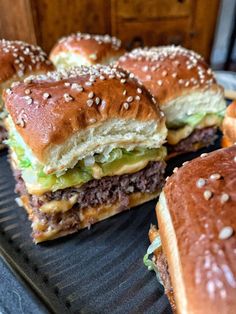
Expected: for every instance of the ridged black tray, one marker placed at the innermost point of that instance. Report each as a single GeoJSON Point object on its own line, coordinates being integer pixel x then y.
{"type": "Point", "coordinates": [94, 271]}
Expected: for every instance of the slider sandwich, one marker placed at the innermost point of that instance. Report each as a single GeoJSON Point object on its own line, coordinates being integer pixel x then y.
{"type": "Point", "coordinates": [85, 49]}
{"type": "Point", "coordinates": [17, 60]}
{"type": "Point", "coordinates": [229, 126]}
{"type": "Point", "coordinates": [87, 146]}
{"type": "Point", "coordinates": [195, 246]}
{"type": "Point", "coordinates": [186, 90]}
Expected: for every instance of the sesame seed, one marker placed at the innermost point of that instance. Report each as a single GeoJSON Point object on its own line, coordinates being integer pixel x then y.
{"type": "Point", "coordinates": [46, 96]}
{"type": "Point", "coordinates": [102, 77]}
{"type": "Point", "coordinates": [103, 104]}
{"type": "Point", "coordinates": [130, 98]}
{"type": "Point", "coordinates": [181, 81]}
{"type": "Point", "coordinates": [174, 75]}
{"type": "Point", "coordinates": [154, 100]}
{"type": "Point", "coordinates": [90, 95]}
{"type": "Point", "coordinates": [187, 84]}
{"type": "Point", "coordinates": [203, 155]}
{"type": "Point", "coordinates": [88, 84]}
{"type": "Point", "coordinates": [175, 169]}
{"type": "Point", "coordinates": [164, 73]}
{"type": "Point", "coordinates": [67, 97]}
{"type": "Point", "coordinates": [27, 91]}
{"type": "Point", "coordinates": [137, 97]}
{"type": "Point", "coordinates": [200, 182]}
{"type": "Point", "coordinates": [131, 75]}
{"type": "Point", "coordinates": [126, 105]}
{"type": "Point", "coordinates": [76, 86]}
{"type": "Point", "coordinates": [14, 84]}
{"type": "Point", "coordinates": [139, 91]}
{"type": "Point", "coordinates": [124, 92]}
{"type": "Point", "coordinates": [235, 159]}
{"type": "Point", "coordinates": [8, 91]}
{"type": "Point", "coordinates": [97, 100]}
{"type": "Point", "coordinates": [215, 176]}
{"type": "Point", "coordinates": [159, 82]}
{"type": "Point", "coordinates": [226, 233]}
{"type": "Point", "coordinates": [67, 84]}
{"type": "Point", "coordinates": [92, 78]}
{"type": "Point", "coordinates": [185, 163]}
{"type": "Point", "coordinates": [145, 68]}
{"type": "Point", "coordinates": [92, 120]}
{"type": "Point", "coordinates": [167, 178]}
{"type": "Point", "coordinates": [20, 122]}
{"type": "Point", "coordinates": [207, 194]}
{"type": "Point", "coordinates": [123, 81]}
{"type": "Point", "coordinates": [90, 102]}
{"type": "Point", "coordinates": [29, 100]}
{"type": "Point", "coordinates": [224, 198]}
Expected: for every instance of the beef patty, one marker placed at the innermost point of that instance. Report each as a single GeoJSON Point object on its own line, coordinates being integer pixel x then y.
{"type": "Point", "coordinates": [162, 266]}
{"type": "Point", "coordinates": [107, 190]}
{"type": "Point", "coordinates": [204, 137]}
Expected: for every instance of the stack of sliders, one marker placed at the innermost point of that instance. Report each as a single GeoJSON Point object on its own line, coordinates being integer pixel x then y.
{"type": "Point", "coordinates": [186, 90]}
{"type": "Point", "coordinates": [229, 126]}
{"type": "Point", "coordinates": [85, 49]}
{"type": "Point", "coordinates": [195, 247]}
{"type": "Point", "coordinates": [17, 60]}
{"type": "Point", "coordinates": [87, 146]}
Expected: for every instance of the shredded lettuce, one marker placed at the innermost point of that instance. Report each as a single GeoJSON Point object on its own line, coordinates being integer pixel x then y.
{"type": "Point", "coordinates": [106, 164]}
{"type": "Point", "coordinates": [149, 263]}
{"type": "Point", "coordinates": [193, 120]}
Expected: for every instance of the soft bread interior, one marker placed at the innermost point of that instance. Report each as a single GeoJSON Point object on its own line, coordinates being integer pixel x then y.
{"type": "Point", "coordinates": [208, 101]}
{"type": "Point", "coordinates": [170, 248]}
{"type": "Point", "coordinates": [66, 59]}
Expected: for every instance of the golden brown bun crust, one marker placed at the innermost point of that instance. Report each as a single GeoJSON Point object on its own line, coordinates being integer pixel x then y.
{"type": "Point", "coordinates": [43, 121]}
{"type": "Point", "coordinates": [18, 59]}
{"type": "Point", "coordinates": [229, 126]}
{"type": "Point", "coordinates": [95, 48]}
{"type": "Point", "coordinates": [208, 267]}
{"type": "Point", "coordinates": [90, 216]}
{"type": "Point", "coordinates": [169, 71]}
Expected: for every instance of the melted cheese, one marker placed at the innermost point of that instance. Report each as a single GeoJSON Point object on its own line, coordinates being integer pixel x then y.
{"type": "Point", "coordinates": [58, 206]}
{"type": "Point", "coordinates": [175, 136]}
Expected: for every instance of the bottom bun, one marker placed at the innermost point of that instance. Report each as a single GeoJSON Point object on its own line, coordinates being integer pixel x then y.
{"type": "Point", "coordinates": [43, 231]}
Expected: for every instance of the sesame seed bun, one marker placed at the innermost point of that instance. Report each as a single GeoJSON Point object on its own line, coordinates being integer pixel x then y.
{"type": "Point", "coordinates": [17, 60]}
{"type": "Point", "coordinates": [86, 49]}
{"type": "Point", "coordinates": [229, 126]}
{"type": "Point", "coordinates": [197, 220]}
{"type": "Point", "coordinates": [70, 115]}
{"type": "Point", "coordinates": [178, 78]}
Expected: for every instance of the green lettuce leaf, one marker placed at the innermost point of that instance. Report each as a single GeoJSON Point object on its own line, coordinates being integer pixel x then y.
{"type": "Point", "coordinates": [149, 263]}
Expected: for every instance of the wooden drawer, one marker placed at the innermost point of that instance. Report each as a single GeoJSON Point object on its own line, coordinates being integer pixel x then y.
{"type": "Point", "coordinates": [154, 33]}
{"type": "Point", "coordinates": [139, 9]}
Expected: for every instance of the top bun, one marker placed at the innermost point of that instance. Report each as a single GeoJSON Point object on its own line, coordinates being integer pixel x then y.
{"type": "Point", "coordinates": [68, 115]}
{"type": "Point", "coordinates": [197, 220]}
{"type": "Point", "coordinates": [229, 126]}
{"type": "Point", "coordinates": [19, 59]}
{"type": "Point", "coordinates": [179, 78]}
{"type": "Point", "coordinates": [86, 49]}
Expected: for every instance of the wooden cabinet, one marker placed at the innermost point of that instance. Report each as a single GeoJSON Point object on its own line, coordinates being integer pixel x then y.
{"type": "Point", "coordinates": [190, 23]}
